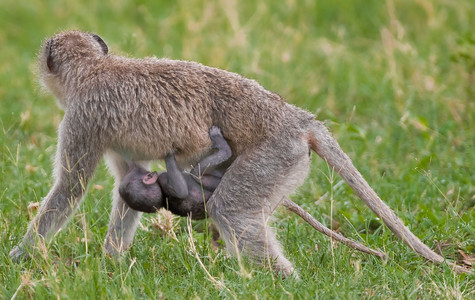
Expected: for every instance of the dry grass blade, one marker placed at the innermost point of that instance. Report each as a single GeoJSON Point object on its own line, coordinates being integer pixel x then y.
{"type": "Point", "coordinates": [216, 283]}
{"type": "Point", "coordinates": [166, 222]}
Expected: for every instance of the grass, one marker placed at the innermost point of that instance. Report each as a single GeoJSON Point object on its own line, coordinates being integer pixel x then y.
{"type": "Point", "coordinates": [392, 79]}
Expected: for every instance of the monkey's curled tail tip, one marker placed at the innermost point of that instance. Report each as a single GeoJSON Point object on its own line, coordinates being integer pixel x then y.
{"type": "Point", "coordinates": [382, 255]}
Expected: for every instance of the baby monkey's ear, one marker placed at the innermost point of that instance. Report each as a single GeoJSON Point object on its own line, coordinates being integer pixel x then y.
{"type": "Point", "coordinates": [150, 178]}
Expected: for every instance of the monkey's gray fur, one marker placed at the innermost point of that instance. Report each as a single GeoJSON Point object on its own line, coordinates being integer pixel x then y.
{"type": "Point", "coordinates": [143, 109]}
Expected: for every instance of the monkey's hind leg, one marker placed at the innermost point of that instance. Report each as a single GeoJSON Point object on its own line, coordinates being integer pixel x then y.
{"type": "Point", "coordinates": [123, 220]}
{"type": "Point", "coordinates": [249, 192]}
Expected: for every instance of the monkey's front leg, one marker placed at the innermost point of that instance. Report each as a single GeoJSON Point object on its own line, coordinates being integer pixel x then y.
{"type": "Point", "coordinates": [76, 159]}
{"type": "Point", "coordinates": [123, 220]}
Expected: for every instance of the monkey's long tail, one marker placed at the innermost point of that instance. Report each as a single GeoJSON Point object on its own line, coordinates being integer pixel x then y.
{"type": "Point", "coordinates": [322, 142]}
{"type": "Point", "coordinates": [293, 207]}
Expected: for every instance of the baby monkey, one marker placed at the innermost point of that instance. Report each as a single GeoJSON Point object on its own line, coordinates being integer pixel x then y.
{"type": "Point", "coordinates": [180, 192]}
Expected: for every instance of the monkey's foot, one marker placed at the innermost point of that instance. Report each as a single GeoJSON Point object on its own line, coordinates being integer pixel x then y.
{"type": "Point", "coordinates": [286, 270]}
{"type": "Point", "coordinates": [113, 248]}
{"type": "Point", "coordinates": [18, 254]}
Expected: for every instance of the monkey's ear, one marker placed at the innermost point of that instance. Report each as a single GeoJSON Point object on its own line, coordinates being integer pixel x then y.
{"type": "Point", "coordinates": [49, 57]}
{"type": "Point", "coordinates": [101, 42]}
{"type": "Point", "coordinates": [150, 178]}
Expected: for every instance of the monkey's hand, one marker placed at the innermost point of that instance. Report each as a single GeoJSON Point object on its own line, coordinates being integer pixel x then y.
{"type": "Point", "coordinates": [214, 132]}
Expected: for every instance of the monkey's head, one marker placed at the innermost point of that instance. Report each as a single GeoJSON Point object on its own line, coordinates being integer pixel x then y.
{"type": "Point", "coordinates": [68, 55]}
{"type": "Point", "coordinates": [141, 191]}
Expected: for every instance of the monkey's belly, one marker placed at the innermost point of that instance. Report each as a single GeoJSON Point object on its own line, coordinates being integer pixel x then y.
{"type": "Point", "coordinates": [184, 160]}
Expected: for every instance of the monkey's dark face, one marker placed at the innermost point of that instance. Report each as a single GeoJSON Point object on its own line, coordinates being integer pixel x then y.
{"type": "Point", "coordinates": [141, 191]}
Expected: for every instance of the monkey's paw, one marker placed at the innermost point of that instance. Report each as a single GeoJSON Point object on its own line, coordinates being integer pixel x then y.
{"type": "Point", "coordinates": [214, 131]}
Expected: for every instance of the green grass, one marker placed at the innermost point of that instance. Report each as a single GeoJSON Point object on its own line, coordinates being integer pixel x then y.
{"type": "Point", "coordinates": [394, 80]}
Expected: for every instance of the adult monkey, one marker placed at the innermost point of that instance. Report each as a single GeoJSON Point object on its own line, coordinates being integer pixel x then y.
{"type": "Point", "coordinates": [143, 109]}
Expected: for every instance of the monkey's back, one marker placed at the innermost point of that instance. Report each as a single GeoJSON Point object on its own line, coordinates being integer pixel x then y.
{"type": "Point", "coordinates": [166, 104]}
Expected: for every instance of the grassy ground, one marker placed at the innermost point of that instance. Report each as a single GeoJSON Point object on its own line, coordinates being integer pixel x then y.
{"type": "Point", "coordinates": [392, 79]}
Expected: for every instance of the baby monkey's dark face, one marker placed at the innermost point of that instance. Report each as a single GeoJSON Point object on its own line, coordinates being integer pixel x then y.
{"type": "Point", "coordinates": [140, 189]}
